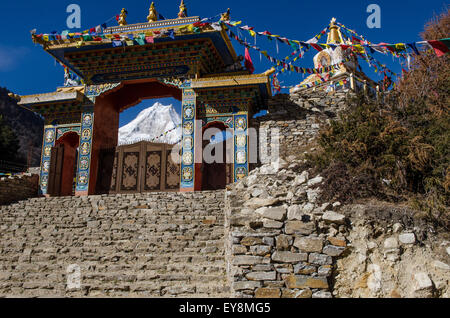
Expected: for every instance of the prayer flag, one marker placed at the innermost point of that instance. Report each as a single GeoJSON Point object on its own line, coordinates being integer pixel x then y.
{"type": "Point", "coordinates": [439, 47]}
{"type": "Point", "coordinates": [248, 62]}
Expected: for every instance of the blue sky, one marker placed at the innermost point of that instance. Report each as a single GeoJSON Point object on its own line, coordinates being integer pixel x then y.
{"type": "Point", "coordinates": [27, 69]}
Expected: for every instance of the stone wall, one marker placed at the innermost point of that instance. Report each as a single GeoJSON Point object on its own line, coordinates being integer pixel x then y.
{"type": "Point", "coordinates": [146, 245]}
{"type": "Point", "coordinates": [299, 117]}
{"type": "Point", "coordinates": [281, 242]}
{"type": "Point", "coordinates": [20, 187]}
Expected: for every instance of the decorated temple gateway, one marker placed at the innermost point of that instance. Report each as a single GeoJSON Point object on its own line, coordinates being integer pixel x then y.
{"type": "Point", "coordinates": [114, 68]}
{"type": "Point", "coordinates": [110, 69]}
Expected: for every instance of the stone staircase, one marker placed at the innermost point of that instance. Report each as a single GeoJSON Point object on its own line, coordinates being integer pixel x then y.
{"type": "Point", "coordinates": [142, 245]}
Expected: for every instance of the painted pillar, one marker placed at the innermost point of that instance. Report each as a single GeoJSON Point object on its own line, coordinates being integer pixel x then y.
{"type": "Point", "coordinates": [188, 140]}
{"type": "Point", "coordinates": [48, 143]}
{"type": "Point", "coordinates": [85, 151]}
{"type": "Point", "coordinates": [240, 146]}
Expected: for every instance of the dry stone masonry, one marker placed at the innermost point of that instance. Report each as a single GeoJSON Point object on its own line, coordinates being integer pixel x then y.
{"type": "Point", "coordinates": [155, 245]}
{"type": "Point", "coordinates": [281, 243]}
{"type": "Point", "coordinates": [265, 236]}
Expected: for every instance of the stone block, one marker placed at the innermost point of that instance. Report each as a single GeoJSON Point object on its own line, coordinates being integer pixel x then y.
{"type": "Point", "coordinates": [267, 293]}
{"type": "Point", "coordinates": [309, 244]}
{"type": "Point", "coordinates": [320, 259]}
{"type": "Point", "coordinates": [332, 250]}
{"type": "Point", "coordinates": [261, 275]}
{"type": "Point", "coordinates": [273, 213]}
{"type": "Point", "coordinates": [289, 257]}
{"type": "Point", "coordinates": [333, 217]}
{"type": "Point", "coordinates": [299, 227]}
{"type": "Point", "coordinates": [303, 281]}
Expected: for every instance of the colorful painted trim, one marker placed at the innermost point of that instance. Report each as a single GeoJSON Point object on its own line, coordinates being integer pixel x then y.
{"type": "Point", "coordinates": [48, 144]}
{"type": "Point", "coordinates": [85, 150]}
{"type": "Point", "coordinates": [188, 141]}
{"type": "Point", "coordinates": [240, 147]}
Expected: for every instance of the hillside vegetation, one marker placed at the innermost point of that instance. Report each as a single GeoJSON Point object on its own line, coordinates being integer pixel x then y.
{"type": "Point", "coordinates": [397, 149]}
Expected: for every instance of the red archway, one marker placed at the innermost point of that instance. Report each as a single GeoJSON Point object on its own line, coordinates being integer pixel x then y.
{"type": "Point", "coordinates": [108, 107]}
{"type": "Point", "coordinates": [216, 175]}
{"type": "Point", "coordinates": [63, 165]}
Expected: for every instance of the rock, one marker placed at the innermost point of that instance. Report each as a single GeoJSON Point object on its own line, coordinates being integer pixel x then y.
{"type": "Point", "coordinates": [390, 243]}
{"type": "Point", "coordinates": [308, 208]}
{"type": "Point", "coordinates": [301, 179]}
{"type": "Point", "coordinates": [246, 285]}
{"type": "Point", "coordinates": [260, 250]}
{"type": "Point", "coordinates": [422, 282]}
{"type": "Point", "coordinates": [441, 265]}
{"type": "Point", "coordinates": [283, 242]}
{"type": "Point", "coordinates": [320, 259]}
{"type": "Point", "coordinates": [371, 245]}
{"type": "Point", "coordinates": [448, 250]}
{"type": "Point", "coordinates": [294, 212]}
{"type": "Point", "coordinates": [397, 227]}
{"type": "Point", "coordinates": [299, 227]}
{"type": "Point", "coordinates": [337, 204]}
{"type": "Point", "coordinates": [289, 257]}
{"type": "Point", "coordinates": [325, 270]}
{"type": "Point", "coordinates": [267, 293]}
{"type": "Point", "coordinates": [303, 281]}
{"type": "Point", "coordinates": [268, 169]}
{"type": "Point", "coordinates": [249, 241]}
{"type": "Point", "coordinates": [333, 217]}
{"type": "Point", "coordinates": [407, 238]}
{"type": "Point", "coordinates": [304, 293]}
{"type": "Point", "coordinates": [249, 260]}
{"type": "Point", "coordinates": [337, 241]}
{"type": "Point", "coordinates": [304, 269]}
{"type": "Point", "coordinates": [312, 195]}
{"type": "Point", "coordinates": [273, 213]}
{"type": "Point", "coordinates": [315, 181]}
{"type": "Point", "coordinates": [261, 275]}
{"type": "Point", "coordinates": [284, 268]}
{"type": "Point", "coordinates": [256, 203]}
{"type": "Point", "coordinates": [272, 224]}
{"type": "Point", "coordinates": [374, 280]}
{"type": "Point", "coordinates": [239, 249]}
{"type": "Point", "coordinates": [332, 250]}
{"type": "Point", "coordinates": [322, 294]}
{"type": "Point", "coordinates": [309, 244]}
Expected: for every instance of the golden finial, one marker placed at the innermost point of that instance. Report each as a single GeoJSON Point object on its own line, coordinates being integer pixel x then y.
{"type": "Point", "coordinates": [183, 11]}
{"type": "Point", "coordinates": [122, 17]}
{"type": "Point", "coordinates": [334, 36]}
{"type": "Point", "coordinates": [152, 15]}
{"type": "Point", "coordinates": [226, 16]}
{"type": "Point", "coordinates": [14, 96]}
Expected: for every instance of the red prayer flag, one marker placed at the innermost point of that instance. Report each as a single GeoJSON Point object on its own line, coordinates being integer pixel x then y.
{"type": "Point", "coordinates": [248, 61]}
{"type": "Point", "coordinates": [439, 47]}
{"type": "Point", "coordinates": [316, 46]}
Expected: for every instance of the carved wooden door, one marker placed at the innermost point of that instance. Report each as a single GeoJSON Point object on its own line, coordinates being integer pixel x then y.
{"type": "Point", "coordinates": [56, 169]}
{"type": "Point", "coordinates": [144, 167]}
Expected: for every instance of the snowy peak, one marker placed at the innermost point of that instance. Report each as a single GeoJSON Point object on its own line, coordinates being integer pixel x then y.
{"type": "Point", "coordinates": [150, 124]}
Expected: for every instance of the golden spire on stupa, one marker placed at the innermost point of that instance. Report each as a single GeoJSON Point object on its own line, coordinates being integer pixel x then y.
{"type": "Point", "coordinates": [152, 15]}
{"type": "Point", "coordinates": [122, 17]}
{"type": "Point", "coordinates": [335, 35]}
{"type": "Point", "coordinates": [183, 11]}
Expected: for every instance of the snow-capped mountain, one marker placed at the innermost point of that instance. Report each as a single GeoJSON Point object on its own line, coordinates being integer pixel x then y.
{"type": "Point", "coordinates": [151, 123]}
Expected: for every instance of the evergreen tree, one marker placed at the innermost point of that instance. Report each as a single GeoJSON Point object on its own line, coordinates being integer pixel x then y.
{"type": "Point", "coordinates": [9, 144]}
